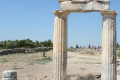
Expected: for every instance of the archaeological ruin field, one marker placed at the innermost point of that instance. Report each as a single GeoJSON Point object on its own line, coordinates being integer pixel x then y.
{"type": "Point", "coordinates": [80, 64]}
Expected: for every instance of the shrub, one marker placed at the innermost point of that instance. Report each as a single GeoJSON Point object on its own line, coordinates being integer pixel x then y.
{"type": "Point", "coordinates": [87, 77]}
{"type": "Point", "coordinates": [118, 54]}
{"type": "Point", "coordinates": [81, 77]}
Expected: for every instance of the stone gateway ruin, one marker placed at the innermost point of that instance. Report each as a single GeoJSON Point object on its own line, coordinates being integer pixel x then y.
{"type": "Point", "coordinates": [108, 67]}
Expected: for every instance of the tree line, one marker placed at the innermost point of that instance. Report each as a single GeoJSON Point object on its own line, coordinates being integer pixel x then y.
{"type": "Point", "coordinates": [118, 45]}
{"type": "Point", "coordinates": [26, 43]}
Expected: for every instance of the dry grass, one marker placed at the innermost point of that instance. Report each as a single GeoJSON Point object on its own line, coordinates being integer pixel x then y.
{"type": "Point", "coordinates": [30, 58]}
{"type": "Point", "coordinates": [82, 77]}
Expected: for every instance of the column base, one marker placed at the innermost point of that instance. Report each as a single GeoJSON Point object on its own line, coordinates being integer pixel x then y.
{"type": "Point", "coordinates": [108, 72]}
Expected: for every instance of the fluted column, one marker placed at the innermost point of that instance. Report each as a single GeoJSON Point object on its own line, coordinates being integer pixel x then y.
{"type": "Point", "coordinates": [60, 45]}
{"type": "Point", "coordinates": [108, 71]}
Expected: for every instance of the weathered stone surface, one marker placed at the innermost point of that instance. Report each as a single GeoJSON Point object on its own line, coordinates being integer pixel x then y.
{"type": "Point", "coordinates": [108, 70]}
{"type": "Point", "coordinates": [85, 7]}
{"type": "Point", "coordinates": [89, 0]}
{"type": "Point", "coordinates": [108, 12]}
{"type": "Point", "coordinates": [104, 0]}
{"type": "Point", "coordinates": [62, 0]}
{"type": "Point", "coordinates": [84, 0]}
{"type": "Point", "coordinates": [60, 45]}
{"type": "Point", "coordinates": [9, 75]}
{"type": "Point", "coordinates": [61, 13]}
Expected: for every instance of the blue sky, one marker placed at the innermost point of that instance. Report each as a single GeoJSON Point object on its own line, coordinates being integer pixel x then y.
{"type": "Point", "coordinates": [34, 19]}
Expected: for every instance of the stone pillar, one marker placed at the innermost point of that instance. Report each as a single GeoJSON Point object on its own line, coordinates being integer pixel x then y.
{"type": "Point", "coordinates": [9, 75]}
{"type": "Point", "coordinates": [109, 71]}
{"type": "Point", "coordinates": [60, 45]}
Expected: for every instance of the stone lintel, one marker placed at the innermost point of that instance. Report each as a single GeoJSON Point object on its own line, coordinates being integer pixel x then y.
{"type": "Point", "coordinates": [82, 6]}
{"type": "Point", "coordinates": [83, 11]}
{"type": "Point", "coordinates": [87, 1]}
{"type": "Point", "coordinates": [84, 1]}
{"type": "Point", "coordinates": [61, 12]}
{"type": "Point", "coordinates": [109, 12]}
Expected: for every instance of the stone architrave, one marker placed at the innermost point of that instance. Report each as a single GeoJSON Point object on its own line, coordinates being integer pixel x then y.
{"type": "Point", "coordinates": [82, 0]}
{"type": "Point", "coordinates": [109, 71]}
{"type": "Point", "coordinates": [60, 45]}
{"type": "Point", "coordinates": [85, 5]}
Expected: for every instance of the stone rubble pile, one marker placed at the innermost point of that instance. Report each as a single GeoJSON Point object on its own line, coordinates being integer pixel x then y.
{"type": "Point", "coordinates": [86, 51]}
{"type": "Point", "coordinates": [91, 51]}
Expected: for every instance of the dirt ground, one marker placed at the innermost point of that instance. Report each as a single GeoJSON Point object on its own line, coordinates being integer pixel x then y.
{"type": "Point", "coordinates": [34, 66]}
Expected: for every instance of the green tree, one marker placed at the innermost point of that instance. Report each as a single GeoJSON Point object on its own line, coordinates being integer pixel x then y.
{"type": "Point", "coordinates": [16, 43]}
{"type": "Point", "coordinates": [29, 43]}
{"type": "Point", "coordinates": [77, 46]}
{"type": "Point", "coordinates": [5, 44]}
{"type": "Point", "coordinates": [118, 45]}
{"type": "Point", "coordinates": [26, 43]}
{"type": "Point", "coordinates": [2, 44]}
{"type": "Point", "coordinates": [89, 46]}
{"type": "Point", "coordinates": [36, 43]}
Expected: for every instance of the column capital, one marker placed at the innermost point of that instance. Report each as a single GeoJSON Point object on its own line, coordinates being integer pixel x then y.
{"type": "Point", "coordinates": [61, 12]}
{"type": "Point", "coordinates": [109, 12]}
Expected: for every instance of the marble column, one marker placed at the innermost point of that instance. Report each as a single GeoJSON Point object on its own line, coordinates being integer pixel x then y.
{"type": "Point", "coordinates": [108, 71]}
{"type": "Point", "coordinates": [60, 45]}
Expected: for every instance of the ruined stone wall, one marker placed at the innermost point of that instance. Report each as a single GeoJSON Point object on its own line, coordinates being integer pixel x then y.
{"type": "Point", "coordinates": [23, 50]}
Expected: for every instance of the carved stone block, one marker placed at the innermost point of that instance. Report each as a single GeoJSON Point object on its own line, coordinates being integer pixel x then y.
{"type": "Point", "coordinates": [83, 0]}
{"type": "Point", "coordinates": [9, 75]}
{"type": "Point", "coordinates": [85, 6]}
